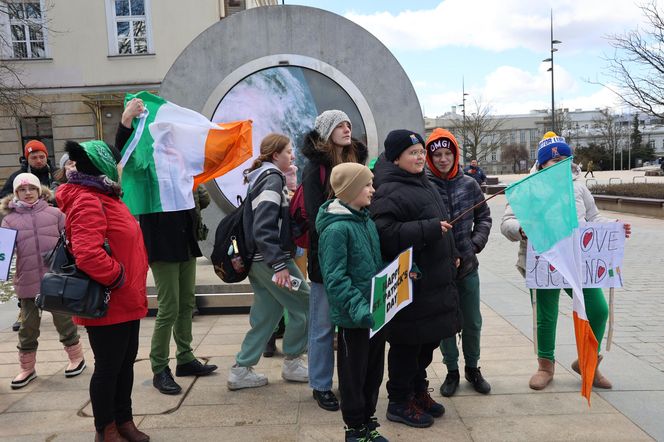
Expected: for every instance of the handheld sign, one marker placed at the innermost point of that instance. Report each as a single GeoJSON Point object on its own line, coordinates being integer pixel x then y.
{"type": "Point", "coordinates": [602, 247]}
{"type": "Point", "coordinates": [7, 241]}
{"type": "Point", "coordinates": [391, 290]}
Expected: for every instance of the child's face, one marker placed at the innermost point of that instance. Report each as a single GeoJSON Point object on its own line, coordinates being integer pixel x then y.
{"type": "Point", "coordinates": [412, 159]}
{"type": "Point", "coordinates": [284, 159]}
{"type": "Point", "coordinates": [27, 193]}
{"type": "Point", "coordinates": [553, 161]}
{"type": "Point", "coordinates": [443, 160]}
{"type": "Point", "coordinates": [363, 199]}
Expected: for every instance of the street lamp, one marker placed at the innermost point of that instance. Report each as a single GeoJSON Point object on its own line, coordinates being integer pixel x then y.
{"type": "Point", "coordinates": [550, 60]}
{"type": "Point", "coordinates": [463, 111]}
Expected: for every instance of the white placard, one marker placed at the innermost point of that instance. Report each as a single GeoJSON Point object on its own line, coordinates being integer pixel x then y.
{"type": "Point", "coordinates": [602, 248]}
{"type": "Point", "coordinates": [7, 242]}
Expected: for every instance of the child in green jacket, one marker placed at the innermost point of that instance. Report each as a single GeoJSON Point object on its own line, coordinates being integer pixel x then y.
{"type": "Point", "coordinates": [349, 256]}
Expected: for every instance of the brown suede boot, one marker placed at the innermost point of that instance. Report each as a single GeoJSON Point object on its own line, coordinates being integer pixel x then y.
{"type": "Point", "coordinates": [544, 374]}
{"type": "Point", "coordinates": [599, 381]}
{"type": "Point", "coordinates": [110, 434]}
{"type": "Point", "coordinates": [129, 431]}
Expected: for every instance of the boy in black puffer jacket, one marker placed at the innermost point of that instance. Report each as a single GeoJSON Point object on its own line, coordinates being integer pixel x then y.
{"type": "Point", "coordinates": [408, 211]}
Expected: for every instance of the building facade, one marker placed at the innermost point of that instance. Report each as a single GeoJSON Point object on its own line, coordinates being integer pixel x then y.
{"type": "Point", "coordinates": [579, 127]}
{"type": "Point", "coordinates": [74, 61]}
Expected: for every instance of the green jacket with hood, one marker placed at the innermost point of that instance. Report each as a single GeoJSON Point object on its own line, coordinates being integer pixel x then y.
{"type": "Point", "coordinates": [349, 256]}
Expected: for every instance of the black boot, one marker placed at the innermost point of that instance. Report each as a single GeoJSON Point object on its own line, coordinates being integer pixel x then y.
{"type": "Point", "coordinates": [474, 376]}
{"type": "Point", "coordinates": [451, 383]}
{"type": "Point", "coordinates": [271, 346]}
{"type": "Point", "coordinates": [164, 382]}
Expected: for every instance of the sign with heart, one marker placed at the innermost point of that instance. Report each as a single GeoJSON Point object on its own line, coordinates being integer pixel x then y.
{"type": "Point", "coordinates": [601, 246]}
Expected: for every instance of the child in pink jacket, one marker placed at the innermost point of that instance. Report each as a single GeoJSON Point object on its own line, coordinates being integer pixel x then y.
{"type": "Point", "coordinates": [38, 226]}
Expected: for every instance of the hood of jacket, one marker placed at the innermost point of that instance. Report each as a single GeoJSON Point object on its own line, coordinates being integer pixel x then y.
{"type": "Point", "coordinates": [334, 210]}
{"type": "Point", "coordinates": [315, 155]}
{"type": "Point", "coordinates": [437, 134]}
{"type": "Point", "coordinates": [254, 174]}
{"type": "Point", "coordinates": [7, 204]}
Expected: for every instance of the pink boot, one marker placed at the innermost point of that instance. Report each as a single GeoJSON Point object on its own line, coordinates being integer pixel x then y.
{"type": "Point", "coordinates": [76, 361]}
{"type": "Point", "coordinates": [27, 373]}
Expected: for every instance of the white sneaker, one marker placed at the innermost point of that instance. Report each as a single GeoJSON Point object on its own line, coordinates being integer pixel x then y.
{"type": "Point", "coordinates": [295, 370]}
{"type": "Point", "coordinates": [245, 377]}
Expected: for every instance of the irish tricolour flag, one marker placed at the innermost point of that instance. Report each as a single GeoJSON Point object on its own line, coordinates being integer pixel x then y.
{"type": "Point", "coordinates": [544, 205]}
{"type": "Point", "coordinates": [174, 149]}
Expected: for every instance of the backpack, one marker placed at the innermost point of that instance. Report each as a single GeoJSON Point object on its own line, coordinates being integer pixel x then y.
{"type": "Point", "coordinates": [231, 257]}
{"type": "Point", "coordinates": [298, 214]}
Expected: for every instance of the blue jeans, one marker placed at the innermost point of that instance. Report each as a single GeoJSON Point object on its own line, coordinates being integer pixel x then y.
{"type": "Point", "coordinates": [321, 340]}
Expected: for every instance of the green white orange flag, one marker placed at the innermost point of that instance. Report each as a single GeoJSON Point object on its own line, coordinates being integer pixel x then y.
{"type": "Point", "coordinates": [544, 205]}
{"type": "Point", "coordinates": [172, 150]}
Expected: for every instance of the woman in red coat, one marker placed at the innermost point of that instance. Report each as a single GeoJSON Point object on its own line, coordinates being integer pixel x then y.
{"type": "Point", "coordinates": [95, 213]}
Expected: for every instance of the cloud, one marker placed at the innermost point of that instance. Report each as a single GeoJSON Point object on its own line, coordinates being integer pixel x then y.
{"type": "Point", "coordinates": [511, 90]}
{"type": "Point", "coordinates": [502, 25]}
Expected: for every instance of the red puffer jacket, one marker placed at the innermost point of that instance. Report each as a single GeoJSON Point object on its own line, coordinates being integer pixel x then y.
{"type": "Point", "coordinates": [91, 217]}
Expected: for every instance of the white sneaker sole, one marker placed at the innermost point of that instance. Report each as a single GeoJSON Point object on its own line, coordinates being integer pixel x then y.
{"type": "Point", "coordinates": [246, 384]}
{"type": "Point", "coordinates": [292, 378]}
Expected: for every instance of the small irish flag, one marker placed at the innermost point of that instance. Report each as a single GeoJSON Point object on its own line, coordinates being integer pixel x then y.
{"type": "Point", "coordinates": [174, 149]}
{"type": "Point", "coordinates": [544, 205]}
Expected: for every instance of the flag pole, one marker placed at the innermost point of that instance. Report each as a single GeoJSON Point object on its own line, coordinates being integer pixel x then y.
{"type": "Point", "coordinates": [609, 338]}
{"type": "Point", "coordinates": [477, 205]}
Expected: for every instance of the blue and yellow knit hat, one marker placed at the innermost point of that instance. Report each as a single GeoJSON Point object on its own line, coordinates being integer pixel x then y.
{"type": "Point", "coordinates": [552, 146]}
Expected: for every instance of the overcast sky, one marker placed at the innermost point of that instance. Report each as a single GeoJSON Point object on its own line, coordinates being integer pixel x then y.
{"type": "Point", "coordinates": [497, 46]}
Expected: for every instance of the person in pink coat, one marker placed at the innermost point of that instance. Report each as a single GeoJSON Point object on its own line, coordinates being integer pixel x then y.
{"type": "Point", "coordinates": [38, 226]}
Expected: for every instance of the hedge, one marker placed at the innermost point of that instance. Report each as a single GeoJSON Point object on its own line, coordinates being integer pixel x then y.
{"type": "Point", "coordinates": [637, 190]}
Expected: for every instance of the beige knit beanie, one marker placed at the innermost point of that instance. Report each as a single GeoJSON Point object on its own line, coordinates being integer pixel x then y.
{"type": "Point", "coordinates": [348, 179]}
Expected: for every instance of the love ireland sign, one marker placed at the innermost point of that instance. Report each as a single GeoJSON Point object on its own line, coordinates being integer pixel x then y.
{"type": "Point", "coordinates": [602, 247]}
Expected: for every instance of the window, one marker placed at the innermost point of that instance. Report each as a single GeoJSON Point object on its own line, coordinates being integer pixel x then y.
{"type": "Point", "coordinates": [533, 153]}
{"type": "Point", "coordinates": [651, 144]}
{"type": "Point", "coordinates": [38, 128]}
{"type": "Point", "coordinates": [22, 23]}
{"type": "Point", "coordinates": [129, 27]}
{"type": "Point", "coordinates": [494, 156]}
{"type": "Point", "coordinates": [522, 136]}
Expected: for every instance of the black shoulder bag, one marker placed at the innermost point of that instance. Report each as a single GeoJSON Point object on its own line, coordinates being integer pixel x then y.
{"type": "Point", "coordinates": [68, 290]}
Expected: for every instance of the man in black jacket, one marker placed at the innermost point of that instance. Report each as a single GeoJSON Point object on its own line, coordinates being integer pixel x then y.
{"type": "Point", "coordinates": [172, 247]}
{"type": "Point", "coordinates": [34, 161]}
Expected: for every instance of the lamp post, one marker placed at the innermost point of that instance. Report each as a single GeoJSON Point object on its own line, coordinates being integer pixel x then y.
{"type": "Point", "coordinates": [550, 60]}
{"type": "Point", "coordinates": [463, 112]}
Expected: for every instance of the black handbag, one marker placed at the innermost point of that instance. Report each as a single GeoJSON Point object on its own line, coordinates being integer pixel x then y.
{"type": "Point", "coordinates": [68, 290]}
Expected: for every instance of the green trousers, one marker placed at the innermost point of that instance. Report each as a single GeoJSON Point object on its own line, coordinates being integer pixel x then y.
{"type": "Point", "coordinates": [175, 282]}
{"type": "Point", "coordinates": [31, 322]}
{"type": "Point", "coordinates": [469, 299]}
{"type": "Point", "coordinates": [270, 301]}
{"type": "Point", "coordinates": [597, 311]}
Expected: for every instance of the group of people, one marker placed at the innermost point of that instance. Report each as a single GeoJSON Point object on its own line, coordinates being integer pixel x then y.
{"type": "Point", "coordinates": [359, 219]}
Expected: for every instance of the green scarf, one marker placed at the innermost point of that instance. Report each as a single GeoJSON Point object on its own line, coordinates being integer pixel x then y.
{"type": "Point", "coordinates": [102, 157]}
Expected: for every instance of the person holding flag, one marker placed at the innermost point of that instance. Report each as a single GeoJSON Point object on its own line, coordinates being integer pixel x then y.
{"type": "Point", "coordinates": [550, 206]}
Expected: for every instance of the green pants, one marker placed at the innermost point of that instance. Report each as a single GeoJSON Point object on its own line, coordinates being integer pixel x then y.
{"type": "Point", "coordinates": [469, 299]}
{"type": "Point", "coordinates": [597, 311]}
{"type": "Point", "coordinates": [175, 283]}
{"type": "Point", "coordinates": [31, 321]}
{"type": "Point", "coordinates": [266, 311]}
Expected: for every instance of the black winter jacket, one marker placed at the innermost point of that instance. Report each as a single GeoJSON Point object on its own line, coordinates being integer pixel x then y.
{"type": "Point", "coordinates": [407, 210]}
{"type": "Point", "coordinates": [45, 176]}
{"type": "Point", "coordinates": [471, 232]}
{"type": "Point", "coordinates": [316, 193]}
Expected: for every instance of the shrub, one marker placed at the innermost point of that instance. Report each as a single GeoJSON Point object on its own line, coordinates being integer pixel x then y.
{"type": "Point", "coordinates": [638, 190]}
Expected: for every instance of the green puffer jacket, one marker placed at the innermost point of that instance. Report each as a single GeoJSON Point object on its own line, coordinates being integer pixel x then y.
{"type": "Point", "coordinates": [349, 256]}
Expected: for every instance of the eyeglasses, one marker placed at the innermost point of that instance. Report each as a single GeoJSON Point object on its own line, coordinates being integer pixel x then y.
{"type": "Point", "coordinates": [418, 153]}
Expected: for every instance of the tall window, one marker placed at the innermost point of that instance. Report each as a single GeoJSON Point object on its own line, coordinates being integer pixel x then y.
{"type": "Point", "coordinates": [38, 128]}
{"type": "Point", "coordinates": [522, 136]}
{"type": "Point", "coordinates": [494, 156]}
{"type": "Point", "coordinates": [533, 153]}
{"type": "Point", "coordinates": [22, 24]}
{"type": "Point", "coordinates": [129, 27]}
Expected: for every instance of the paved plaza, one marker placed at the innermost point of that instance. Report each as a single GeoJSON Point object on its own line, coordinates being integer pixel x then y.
{"type": "Point", "coordinates": [53, 408]}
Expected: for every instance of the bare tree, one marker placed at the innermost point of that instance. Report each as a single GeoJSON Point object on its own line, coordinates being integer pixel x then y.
{"type": "Point", "coordinates": [26, 39]}
{"type": "Point", "coordinates": [480, 131]}
{"type": "Point", "coordinates": [637, 64]}
{"type": "Point", "coordinates": [610, 133]}
{"type": "Point", "coordinates": [513, 154]}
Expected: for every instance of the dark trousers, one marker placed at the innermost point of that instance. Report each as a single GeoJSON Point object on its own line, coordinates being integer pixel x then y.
{"type": "Point", "coordinates": [360, 363]}
{"type": "Point", "coordinates": [115, 347]}
{"type": "Point", "coordinates": [407, 370]}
